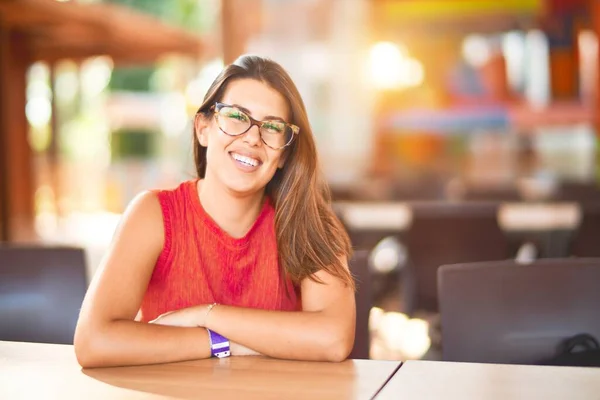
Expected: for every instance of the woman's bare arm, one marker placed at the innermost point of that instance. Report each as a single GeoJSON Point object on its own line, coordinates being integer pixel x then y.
{"type": "Point", "coordinates": [106, 333]}
{"type": "Point", "coordinates": [322, 331]}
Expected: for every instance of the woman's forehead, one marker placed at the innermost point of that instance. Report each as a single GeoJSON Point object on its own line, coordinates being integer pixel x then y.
{"type": "Point", "coordinates": [257, 97]}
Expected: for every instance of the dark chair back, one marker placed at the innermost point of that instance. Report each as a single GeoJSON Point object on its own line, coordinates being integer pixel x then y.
{"type": "Point", "coordinates": [503, 312]}
{"type": "Point", "coordinates": [587, 238]}
{"type": "Point", "coordinates": [581, 192]}
{"type": "Point", "coordinates": [359, 266]}
{"type": "Point", "coordinates": [502, 193]}
{"type": "Point", "coordinates": [446, 233]}
{"type": "Point", "coordinates": [41, 291]}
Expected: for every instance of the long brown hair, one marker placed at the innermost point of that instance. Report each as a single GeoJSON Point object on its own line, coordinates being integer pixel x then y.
{"type": "Point", "coordinates": [310, 237]}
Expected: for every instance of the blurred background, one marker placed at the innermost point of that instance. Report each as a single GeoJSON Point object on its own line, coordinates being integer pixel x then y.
{"type": "Point", "coordinates": [432, 118]}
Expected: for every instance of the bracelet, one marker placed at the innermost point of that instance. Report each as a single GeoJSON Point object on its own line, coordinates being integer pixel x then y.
{"type": "Point", "coordinates": [219, 345]}
{"type": "Point", "coordinates": [209, 309]}
{"type": "Point", "coordinates": [209, 341]}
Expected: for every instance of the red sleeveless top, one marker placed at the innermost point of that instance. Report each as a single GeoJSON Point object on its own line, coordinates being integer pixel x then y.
{"type": "Point", "coordinates": [201, 264]}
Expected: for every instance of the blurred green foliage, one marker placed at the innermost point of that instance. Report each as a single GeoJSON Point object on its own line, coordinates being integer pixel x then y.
{"type": "Point", "coordinates": [183, 13]}
{"type": "Point", "coordinates": [135, 79]}
{"type": "Point", "coordinates": [193, 15]}
{"type": "Point", "coordinates": [196, 16]}
{"type": "Point", "coordinates": [132, 144]}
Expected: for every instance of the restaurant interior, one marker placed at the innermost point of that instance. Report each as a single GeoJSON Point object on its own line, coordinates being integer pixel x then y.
{"type": "Point", "coordinates": [459, 140]}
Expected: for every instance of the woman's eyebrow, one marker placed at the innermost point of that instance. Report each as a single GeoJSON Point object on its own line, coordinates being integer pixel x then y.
{"type": "Point", "coordinates": [244, 109]}
{"type": "Point", "coordinates": [268, 117]}
{"type": "Point", "coordinates": [272, 117]}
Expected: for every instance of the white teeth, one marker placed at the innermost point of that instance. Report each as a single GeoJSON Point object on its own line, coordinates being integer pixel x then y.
{"type": "Point", "coordinates": [245, 160]}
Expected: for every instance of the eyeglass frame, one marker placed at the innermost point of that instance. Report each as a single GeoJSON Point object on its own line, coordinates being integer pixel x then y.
{"type": "Point", "coordinates": [294, 128]}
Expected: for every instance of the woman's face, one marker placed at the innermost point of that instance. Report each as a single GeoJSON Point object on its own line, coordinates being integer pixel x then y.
{"type": "Point", "coordinates": [243, 163]}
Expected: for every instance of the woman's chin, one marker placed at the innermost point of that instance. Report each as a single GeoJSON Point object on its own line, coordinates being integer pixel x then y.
{"type": "Point", "coordinates": [244, 186]}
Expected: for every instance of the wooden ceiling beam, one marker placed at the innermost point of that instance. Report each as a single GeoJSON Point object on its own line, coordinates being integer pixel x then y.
{"type": "Point", "coordinates": [75, 30]}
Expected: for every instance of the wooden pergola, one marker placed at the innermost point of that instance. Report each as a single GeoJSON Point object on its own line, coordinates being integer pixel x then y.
{"type": "Point", "coordinates": [51, 30]}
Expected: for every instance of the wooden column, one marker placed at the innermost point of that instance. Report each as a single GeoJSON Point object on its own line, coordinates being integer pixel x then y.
{"type": "Point", "coordinates": [3, 144]}
{"type": "Point", "coordinates": [240, 20]}
{"type": "Point", "coordinates": [16, 168]}
{"type": "Point", "coordinates": [595, 11]}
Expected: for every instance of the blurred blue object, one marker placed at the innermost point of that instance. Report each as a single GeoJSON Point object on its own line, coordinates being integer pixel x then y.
{"type": "Point", "coordinates": [453, 120]}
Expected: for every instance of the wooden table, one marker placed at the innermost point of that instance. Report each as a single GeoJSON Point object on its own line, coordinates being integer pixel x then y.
{"type": "Point", "coordinates": [511, 216]}
{"type": "Point", "coordinates": [539, 217]}
{"type": "Point", "coordinates": [375, 215]}
{"type": "Point", "coordinates": [550, 225]}
{"type": "Point", "coordinates": [465, 381]}
{"type": "Point", "coordinates": [36, 371]}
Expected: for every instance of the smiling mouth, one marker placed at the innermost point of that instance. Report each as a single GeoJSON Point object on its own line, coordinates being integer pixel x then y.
{"type": "Point", "coordinates": [245, 160]}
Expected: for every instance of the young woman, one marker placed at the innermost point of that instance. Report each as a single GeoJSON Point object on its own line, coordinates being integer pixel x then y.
{"type": "Point", "coordinates": [247, 259]}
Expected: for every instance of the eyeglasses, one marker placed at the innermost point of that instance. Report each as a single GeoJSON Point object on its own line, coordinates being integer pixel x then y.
{"type": "Point", "coordinates": [275, 134]}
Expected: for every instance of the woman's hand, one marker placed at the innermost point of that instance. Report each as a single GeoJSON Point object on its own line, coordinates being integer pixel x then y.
{"type": "Point", "coordinates": [191, 317]}
{"type": "Point", "coordinates": [239, 350]}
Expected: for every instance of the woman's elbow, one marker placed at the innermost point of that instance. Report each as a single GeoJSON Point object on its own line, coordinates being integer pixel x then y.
{"type": "Point", "coordinates": [338, 353]}
{"type": "Point", "coordinates": [84, 354]}
{"type": "Point", "coordinates": [87, 360]}
{"type": "Point", "coordinates": [339, 348]}
{"type": "Point", "coordinates": [85, 350]}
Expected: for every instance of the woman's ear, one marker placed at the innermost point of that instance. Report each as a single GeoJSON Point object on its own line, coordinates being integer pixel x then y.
{"type": "Point", "coordinates": [201, 129]}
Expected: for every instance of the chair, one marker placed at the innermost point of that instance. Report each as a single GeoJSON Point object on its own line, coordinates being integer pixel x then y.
{"type": "Point", "coordinates": [500, 193]}
{"type": "Point", "coordinates": [585, 243]}
{"type": "Point", "coordinates": [41, 291]}
{"type": "Point", "coordinates": [446, 233]}
{"type": "Point", "coordinates": [502, 312]}
{"type": "Point", "coordinates": [367, 223]}
{"type": "Point", "coordinates": [359, 266]}
{"type": "Point", "coordinates": [581, 192]}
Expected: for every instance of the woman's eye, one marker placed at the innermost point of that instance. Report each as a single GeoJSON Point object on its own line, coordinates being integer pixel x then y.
{"type": "Point", "coordinates": [236, 115]}
{"type": "Point", "coordinates": [277, 128]}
